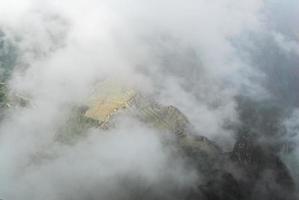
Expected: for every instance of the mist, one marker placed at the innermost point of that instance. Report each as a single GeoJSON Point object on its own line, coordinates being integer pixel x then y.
{"type": "Point", "coordinates": [218, 62]}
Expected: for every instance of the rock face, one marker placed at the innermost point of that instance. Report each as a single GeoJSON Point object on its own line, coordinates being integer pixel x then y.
{"type": "Point", "coordinates": [264, 174]}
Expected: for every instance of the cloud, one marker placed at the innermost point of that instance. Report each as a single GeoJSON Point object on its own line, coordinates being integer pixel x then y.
{"type": "Point", "coordinates": [184, 54]}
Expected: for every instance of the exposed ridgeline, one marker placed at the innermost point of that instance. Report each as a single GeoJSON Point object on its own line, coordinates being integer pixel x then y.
{"type": "Point", "coordinates": [253, 170]}
{"type": "Point", "coordinates": [111, 100]}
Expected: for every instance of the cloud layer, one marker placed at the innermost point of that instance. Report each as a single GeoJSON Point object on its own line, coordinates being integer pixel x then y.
{"type": "Point", "coordinates": [197, 55]}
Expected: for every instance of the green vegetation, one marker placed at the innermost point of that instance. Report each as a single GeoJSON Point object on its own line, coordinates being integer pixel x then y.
{"type": "Point", "coordinates": [8, 57]}
{"type": "Point", "coordinates": [76, 126]}
{"type": "Point", "coordinates": [3, 95]}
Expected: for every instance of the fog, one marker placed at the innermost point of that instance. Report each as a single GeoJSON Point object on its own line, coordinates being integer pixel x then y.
{"type": "Point", "coordinates": [197, 55]}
